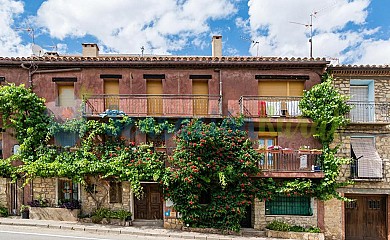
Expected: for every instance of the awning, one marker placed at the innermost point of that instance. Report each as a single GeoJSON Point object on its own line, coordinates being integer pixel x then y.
{"type": "Point", "coordinates": [369, 162]}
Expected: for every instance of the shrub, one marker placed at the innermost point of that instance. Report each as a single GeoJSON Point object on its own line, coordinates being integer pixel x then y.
{"type": "Point", "coordinates": [69, 204]}
{"type": "Point", "coordinates": [3, 211]}
{"type": "Point", "coordinates": [285, 227]}
{"type": "Point", "coordinates": [101, 213]}
{"type": "Point", "coordinates": [40, 202]}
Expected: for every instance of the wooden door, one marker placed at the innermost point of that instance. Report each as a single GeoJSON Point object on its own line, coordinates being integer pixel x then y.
{"type": "Point", "coordinates": [201, 89]}
{"type": "Point", "coordinates": [154, 88]}
{"type": "Point", "coordinates": [150, 206]}
{"type": "Point", "coordinates": [365, 218]}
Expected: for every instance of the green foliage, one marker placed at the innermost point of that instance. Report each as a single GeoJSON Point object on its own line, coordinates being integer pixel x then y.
{"type": "Point", "coordinates": [150, 126]}
{"type": "Point", "coordinates": [328, 109]}
{"type": "Point", "coordinates": [3, 211]}
{"type": "Point", "coordinates": [25, 113]}
{"type": "Point", "coordinates": [285, 227]}
{"type": "Point", "coordinates": [211, 175]}
{"type": "Point", "coordinates": [110, 214]}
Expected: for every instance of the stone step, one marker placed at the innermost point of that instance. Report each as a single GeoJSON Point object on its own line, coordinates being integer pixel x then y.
{"type": "Point", "coordinates": [250, 232]}
{"type": "Point", "coordinates": [150, 223]}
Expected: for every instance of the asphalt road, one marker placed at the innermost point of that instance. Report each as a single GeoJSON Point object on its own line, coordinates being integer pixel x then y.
{"type": "Point", "coordinates": [31, 233]}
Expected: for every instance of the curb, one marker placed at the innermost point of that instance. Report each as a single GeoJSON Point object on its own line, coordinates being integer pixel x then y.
{"type": "Point", "coordinates": [100, 230]}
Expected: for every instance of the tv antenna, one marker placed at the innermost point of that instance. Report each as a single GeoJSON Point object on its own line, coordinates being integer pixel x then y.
{"type": "Point", "coordinates": [309, 25]}
{"type": "Point", "coordinates": [142, 51]}
{"type": "Point", "coordinates": [253, 43]}
{"type": "Point", "coordinates": [30, 32]}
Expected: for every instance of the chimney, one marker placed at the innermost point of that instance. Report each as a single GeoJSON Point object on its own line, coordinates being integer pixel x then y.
{"type": "Point", "coordinates": [90, 50]}
{"type": "Point", "coordinates": [216, 46]}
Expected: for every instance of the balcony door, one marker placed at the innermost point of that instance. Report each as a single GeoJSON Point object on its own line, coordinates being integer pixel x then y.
{"type": "Point", "coordinates": [200, 88]}
{"type": "Point", "coordinates": [282, 89]}
{"type": "Point", "coordinates": [154, 89]}
{"type": "Point", "coordinates": [111, 91]}
{"type": "Point", "coordinates": [363, 109]}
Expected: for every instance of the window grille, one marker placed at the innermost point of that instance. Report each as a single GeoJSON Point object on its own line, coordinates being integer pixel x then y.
{"type": "Point", "coordinates": [283, 205]}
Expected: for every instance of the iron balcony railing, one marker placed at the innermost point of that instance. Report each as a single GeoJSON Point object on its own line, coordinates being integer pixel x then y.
{"type": "Point", "coordinates": [292, 161]}
{"type": "Point", "coordinates": [255, 106]}
{"type": "Point", "coordinates": [368, 112]}
{"type": "Point", "coordinates": [166, 105]}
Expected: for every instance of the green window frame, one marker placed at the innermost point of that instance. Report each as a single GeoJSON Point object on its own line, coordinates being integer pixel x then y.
{"type": "Point", "coordinates": [293, 205]}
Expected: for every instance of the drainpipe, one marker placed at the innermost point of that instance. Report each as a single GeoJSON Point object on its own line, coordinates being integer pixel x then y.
{"type": "Point", "coordinates": [220, 89]}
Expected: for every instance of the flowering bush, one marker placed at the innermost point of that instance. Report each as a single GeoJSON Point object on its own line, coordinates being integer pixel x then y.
{"type": "Point", "coordinates": [211, 175]}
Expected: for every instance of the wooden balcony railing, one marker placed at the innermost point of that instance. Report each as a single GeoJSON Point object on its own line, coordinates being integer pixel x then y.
{"type": "Point", "coordinates": [164, 105]}
{"type": "Point", "coordinates": [369, 112]}
{"type": "Point", "coordinates": [290, 161]}
{"type": "Point", "coordinates": [255, 106]}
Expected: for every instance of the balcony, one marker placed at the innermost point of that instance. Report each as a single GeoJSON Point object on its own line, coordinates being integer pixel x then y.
{"type": "Point", "coordinates": [263, 107]}
{"type": "Point", "coordinates": [146, 105]}
{"type": "Point", "coordinates": [368, 112]}
{"type": "Point", "coordinates": [290, 164]}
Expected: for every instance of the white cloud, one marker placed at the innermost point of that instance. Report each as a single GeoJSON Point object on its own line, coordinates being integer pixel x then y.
{"type": "Point", "coordinates": [269, 21]}
{"type": "Point", "coordinates": [10, 42]}
{"type": "Point", "coordinates": [125, 26]}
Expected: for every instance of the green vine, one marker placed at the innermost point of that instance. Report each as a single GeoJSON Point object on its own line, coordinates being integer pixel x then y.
{"type": "Point", "coordinates": [328, 109]}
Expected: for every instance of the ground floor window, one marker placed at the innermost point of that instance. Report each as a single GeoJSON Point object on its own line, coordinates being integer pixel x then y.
{"type": "Point", "coordinates": [115, 192]}
{"type": "Point", "coordinates": [67, 190]}
{"type": "Point", "coordinates": [293, 205]}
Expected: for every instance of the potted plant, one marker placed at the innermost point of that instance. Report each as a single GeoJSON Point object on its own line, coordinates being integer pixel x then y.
{"type": "Point", "coordinates": [304, 149]}
{"type": "Point", "coordinates": [275, 149]}
{"type": "Point", "coordinates": [287, 150]}
{"type": "Point", "coordinates": [25, 212]}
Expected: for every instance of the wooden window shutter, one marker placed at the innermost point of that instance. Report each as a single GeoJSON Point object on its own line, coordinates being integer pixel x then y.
{"type": "Point", "coordinates": [66, 95]}
{"type": "Point", "coordinates": [200, 104]}
{"type": "Point", "coordinates": [272, 88]}
{"type": "Point", "coordinates": [295, 88]}
{"type": "Point", "coordinates": [155, 103]}
{"type": "Point", "coordinates": [111, 88]}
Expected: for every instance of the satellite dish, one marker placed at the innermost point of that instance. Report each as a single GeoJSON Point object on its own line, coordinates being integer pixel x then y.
{"type": "Point", "coordinates": [37, 50]}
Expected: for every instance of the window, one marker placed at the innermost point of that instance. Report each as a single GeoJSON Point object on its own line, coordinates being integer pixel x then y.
{"type": "Point", "coordinates": [67, 190]}
{"type": "Point", "coordinates": [154, 89]}
{"type": "Point", "coordinates": [366, 162]}
{"type": "Point", "coordinates": [283, 205]}
{"type": "Point", "coordinates": [115, 192]}
{"type": "Point", "coordinates": [362, 100]}
{"type": "Point", "coordinates": [65, 139]}
{"type": "Point", "coordinates": [266, 140]}
{"type": "Point", "coordinates": [200, 104]}
{"type": "Point", "coordinates": [66, 95]}
{"type": "Point", "coordinates": [281, 88]}
{"type": "Point", "coordinates": [111, 92]}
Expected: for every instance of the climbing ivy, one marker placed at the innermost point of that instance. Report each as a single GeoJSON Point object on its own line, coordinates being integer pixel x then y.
{"type": "Point", "coordinates": [328, 110]}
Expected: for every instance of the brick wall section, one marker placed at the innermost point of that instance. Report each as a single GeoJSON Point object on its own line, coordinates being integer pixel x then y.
{"type": "Point", "coordinates": [261, 220]}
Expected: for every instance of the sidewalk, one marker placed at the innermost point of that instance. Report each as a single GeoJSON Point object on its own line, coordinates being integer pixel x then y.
{"type": "Point", "coordinates": [135, 231]}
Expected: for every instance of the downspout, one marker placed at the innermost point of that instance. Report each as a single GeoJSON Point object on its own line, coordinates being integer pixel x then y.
{"type": "Point", "coordinates": [220, 90]}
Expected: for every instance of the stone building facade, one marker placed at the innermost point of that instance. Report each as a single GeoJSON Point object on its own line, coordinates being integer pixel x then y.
{"type": "Point", "coordinates": [365, 140]}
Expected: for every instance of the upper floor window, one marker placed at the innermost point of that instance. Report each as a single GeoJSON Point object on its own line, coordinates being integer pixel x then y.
{"type": "Point", "coordinates": [362, 101]}
{"type": "Point", "coordinates": [366, 162]}
{"type": "Point", "coordinates": [66, 95]}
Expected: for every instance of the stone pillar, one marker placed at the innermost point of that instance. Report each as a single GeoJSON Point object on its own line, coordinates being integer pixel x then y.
{"type": "Point", "coordinates": [334, 219]}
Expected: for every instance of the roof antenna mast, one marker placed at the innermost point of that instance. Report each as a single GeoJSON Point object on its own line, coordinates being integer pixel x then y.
{"type": "Point", "coordinates": [254, 42]}
{"type": "Point", "coordinates": [310, 25]}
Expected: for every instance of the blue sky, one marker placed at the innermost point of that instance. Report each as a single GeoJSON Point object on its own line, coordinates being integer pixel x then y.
{"type": "Point", "coordinates": [345, 31]}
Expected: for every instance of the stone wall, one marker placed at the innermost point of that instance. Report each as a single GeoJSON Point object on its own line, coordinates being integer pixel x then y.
{"type": "Point", "coordinates": [333, 219]}
{"type": "Point", "coordinates": [90, 202]}
{"type": "Point", "coordinates": [261, 220]}
{"type": "Point", "coordinates": [45, 188]}
{"type": "Point", "coordinates": [3, 192]}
